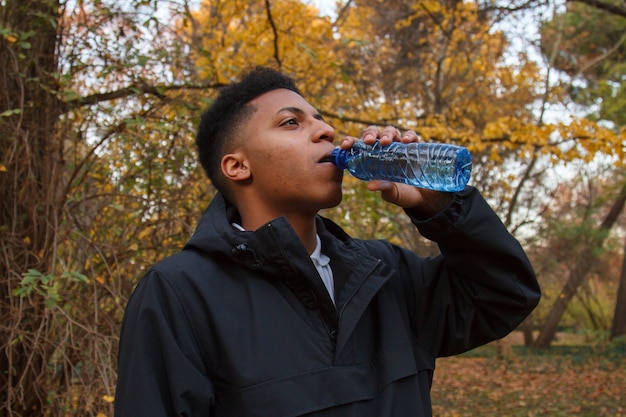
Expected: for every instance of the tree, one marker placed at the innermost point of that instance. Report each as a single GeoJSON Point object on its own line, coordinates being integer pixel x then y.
{"type": "Point", "coordinates": [594, 61]}
{"type": "Point", "coordinates": [32, 170]}
{"type": "Point", "coordinates": [578, 272]}
{"type": "Point", "coordinates": [611, 7]}
{"type": "Point", "coordinates": [92, 128]}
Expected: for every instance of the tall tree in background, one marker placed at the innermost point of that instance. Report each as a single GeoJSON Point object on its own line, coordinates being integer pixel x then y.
{"type": "Point", "coordinates": [594, 60]}
{"type": "Point", "coordinates": [94, 141]}
{"type": "Point", "coordinates": [30, 181]}
{"type": "Point", "coordinates": [590, 240]}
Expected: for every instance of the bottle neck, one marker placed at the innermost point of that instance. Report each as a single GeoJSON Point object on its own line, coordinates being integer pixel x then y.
{"type": "Point", "coordinates": [339, 157]}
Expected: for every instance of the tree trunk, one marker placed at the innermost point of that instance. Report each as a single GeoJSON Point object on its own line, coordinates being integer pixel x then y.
{"type": "Point", "coordinates": [576, 277]}
{"type": "Point", "coordinates": [527, 327]}
{"type": "Point", "coordinates": [619, 318]}
{"type": "Point", "coordinates": [31, 158]}
{"type": "Point", "coordinates": [578, 273]}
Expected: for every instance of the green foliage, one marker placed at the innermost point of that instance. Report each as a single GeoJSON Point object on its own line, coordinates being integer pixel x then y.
{"type": "Point", "coordinates": [594, 58]}
{"type": "Point", "coordinates": [612, 96]}
{"type": "Point", "coordinates": [46, 285]}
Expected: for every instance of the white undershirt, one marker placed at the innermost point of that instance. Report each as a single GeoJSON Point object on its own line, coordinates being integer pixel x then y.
{"type": "Point", "coordinates": [321, 262]}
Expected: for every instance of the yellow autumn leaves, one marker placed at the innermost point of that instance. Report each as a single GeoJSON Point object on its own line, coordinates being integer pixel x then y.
{"type": "Point", "coordinates": [435, 67]}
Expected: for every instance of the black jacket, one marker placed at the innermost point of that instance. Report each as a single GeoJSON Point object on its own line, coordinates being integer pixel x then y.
{"type": "Point", "coordinates": [239, 324]}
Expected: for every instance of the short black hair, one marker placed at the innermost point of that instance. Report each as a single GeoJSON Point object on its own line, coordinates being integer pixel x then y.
{"type": "Point", "coordinates": [221, 119]}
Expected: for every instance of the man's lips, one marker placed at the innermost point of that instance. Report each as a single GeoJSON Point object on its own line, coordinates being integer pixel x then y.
{"type": "Point", "coordinates": [327, 158]}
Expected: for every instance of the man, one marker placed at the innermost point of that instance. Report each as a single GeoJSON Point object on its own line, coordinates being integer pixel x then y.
{"type": "Point", "coordinates": [271, 310]}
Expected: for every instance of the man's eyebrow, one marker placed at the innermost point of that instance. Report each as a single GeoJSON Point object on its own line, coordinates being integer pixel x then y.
{"type": "Point", "coordinates": [299, 111]}
{"type": "Point", "coordinates": [295, 110]}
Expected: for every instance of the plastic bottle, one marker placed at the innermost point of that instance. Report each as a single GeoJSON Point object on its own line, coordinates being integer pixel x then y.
{"type": "Point", "coordinates": [434, 166]}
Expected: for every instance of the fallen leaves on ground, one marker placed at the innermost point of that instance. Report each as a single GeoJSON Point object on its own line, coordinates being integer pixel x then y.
{"type": "Point", "coordinates": [529, 386]}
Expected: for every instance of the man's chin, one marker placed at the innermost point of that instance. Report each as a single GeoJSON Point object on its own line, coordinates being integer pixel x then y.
{"type": "Point", "coordinates": [335, 201]}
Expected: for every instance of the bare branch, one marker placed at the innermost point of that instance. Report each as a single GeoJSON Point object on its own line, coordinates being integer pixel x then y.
{"type": "Point", "coordinates": [605, 55]}
{"type": "Point", "coordinates": [271, 20]}
{"type": "Point", "coordinates": [606, 6]}
{"type": "Point", "coordinates": [133, 90]}
{"type": "Point", "coordinates": [342, 13]}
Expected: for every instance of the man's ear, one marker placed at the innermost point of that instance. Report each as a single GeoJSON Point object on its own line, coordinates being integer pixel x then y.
{"type": "Point", "coordinates": [235, 167]}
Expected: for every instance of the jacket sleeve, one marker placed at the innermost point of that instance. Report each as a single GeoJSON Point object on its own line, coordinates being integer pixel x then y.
{"type": "Point", "coordinates": [479, 289]}
{"type": "Point", "coordinates": [160, 367]}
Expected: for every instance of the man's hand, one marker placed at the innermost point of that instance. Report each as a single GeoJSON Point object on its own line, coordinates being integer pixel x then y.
{"type": "Point", "coordinates": [426, 202]}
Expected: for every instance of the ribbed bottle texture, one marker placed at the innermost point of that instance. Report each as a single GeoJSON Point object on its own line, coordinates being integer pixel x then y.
{"type": "Point", "coordinates": [434, 166]}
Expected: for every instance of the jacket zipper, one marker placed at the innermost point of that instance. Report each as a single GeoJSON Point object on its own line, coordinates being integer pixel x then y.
{"type": "Point", "coordinates": [331, 333]}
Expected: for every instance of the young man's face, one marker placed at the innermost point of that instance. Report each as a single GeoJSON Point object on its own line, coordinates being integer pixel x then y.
{"type": "Point", "coordinates": [285, 142]}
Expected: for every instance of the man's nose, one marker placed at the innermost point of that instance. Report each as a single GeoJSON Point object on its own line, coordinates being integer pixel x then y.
{"type": "Point", "coordinates": [326, 132]}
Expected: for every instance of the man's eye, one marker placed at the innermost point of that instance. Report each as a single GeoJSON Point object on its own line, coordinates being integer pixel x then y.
{"type": "Point", "coordinates": [290, 122]}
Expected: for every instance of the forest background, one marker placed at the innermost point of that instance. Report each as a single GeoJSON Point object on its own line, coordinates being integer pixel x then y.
{"type": "Point", "coordinates": [99, 179]}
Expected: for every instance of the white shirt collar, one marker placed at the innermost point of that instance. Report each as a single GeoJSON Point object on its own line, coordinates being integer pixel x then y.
{"type": "Point", "coordinates": [317, 255]}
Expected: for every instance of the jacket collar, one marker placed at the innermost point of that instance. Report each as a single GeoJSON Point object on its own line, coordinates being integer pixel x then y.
{"type": "Point", "coordinates": [269, 248]}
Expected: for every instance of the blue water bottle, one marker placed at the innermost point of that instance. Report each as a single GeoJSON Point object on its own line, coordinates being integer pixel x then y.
{"type": "Point", "coordinates": [434, 166]}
